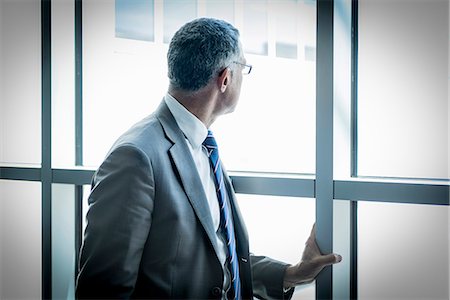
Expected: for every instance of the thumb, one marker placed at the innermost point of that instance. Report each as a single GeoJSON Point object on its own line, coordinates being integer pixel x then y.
{"type": "Point", "coordinates": [329, 259]}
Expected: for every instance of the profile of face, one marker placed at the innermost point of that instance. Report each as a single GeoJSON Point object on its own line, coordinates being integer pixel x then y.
{"type": "Point", "coordinates": [233, 90]}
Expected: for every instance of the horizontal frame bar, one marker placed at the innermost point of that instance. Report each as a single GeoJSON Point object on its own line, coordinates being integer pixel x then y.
{"type": "Point", "coordinates": [73, 176]}
{"type": "Point", "coordinates": [20, 173]}
{"type": "Point", "coordinates": [291, 187]}
{"type": "Point", "coordinates": [353, 190]}
{"type": "Point", "coordinates": [435, 194]}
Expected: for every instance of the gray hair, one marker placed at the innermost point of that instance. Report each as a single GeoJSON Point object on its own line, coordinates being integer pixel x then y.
{"type": "Point", "coordinates": [199, 50]}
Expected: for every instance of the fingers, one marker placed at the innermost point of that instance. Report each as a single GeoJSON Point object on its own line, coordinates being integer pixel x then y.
{"type": "Point", "coordinates": [329, 259]}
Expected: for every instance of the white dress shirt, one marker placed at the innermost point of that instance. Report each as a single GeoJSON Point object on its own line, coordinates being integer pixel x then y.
{"type": "Point", "coordinates": [195, 133]}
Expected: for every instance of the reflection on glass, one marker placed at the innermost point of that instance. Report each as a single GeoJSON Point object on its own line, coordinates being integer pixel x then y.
{"type": "Point", "coordinates": [20, 82]}
{"type": "Point", "coordinates": [63, 241]}
{"type": "Point", "coordinates": [135, 19]}
{"type": "Point", "coordinates": [255, 27]}
{"type": "Point", "coordinates": [402, 88]}
{"type": "Point", "coordinates": [20, 236]}
{"type": "Point", "coordinates": [403, 251]}
{"type": "Point", "coordinates": [278, 227]}
{"type": "Point", "coordinates": [176, 14]}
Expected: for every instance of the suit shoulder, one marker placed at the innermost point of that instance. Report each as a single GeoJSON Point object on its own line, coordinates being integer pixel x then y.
{"type": "Point", "coordinates": [146, 135]}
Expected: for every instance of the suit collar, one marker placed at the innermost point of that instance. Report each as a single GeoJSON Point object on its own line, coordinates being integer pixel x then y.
{"type": "Point", "coordinates": [193, 129]}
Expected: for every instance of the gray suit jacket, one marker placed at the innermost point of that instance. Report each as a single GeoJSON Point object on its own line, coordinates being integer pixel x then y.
{"type": "Point", "coordinates": [149, 229]}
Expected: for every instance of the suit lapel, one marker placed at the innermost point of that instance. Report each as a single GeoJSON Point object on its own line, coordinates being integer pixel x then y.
{"type": "Point", "coordinates": [187, 171]}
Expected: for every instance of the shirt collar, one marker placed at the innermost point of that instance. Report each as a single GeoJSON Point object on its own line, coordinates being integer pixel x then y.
{"type": "Point", "coordinates": [193, 129]}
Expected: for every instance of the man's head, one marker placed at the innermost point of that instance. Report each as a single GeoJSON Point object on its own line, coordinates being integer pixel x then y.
{"type": "Point", "coordinates": [200, 50]}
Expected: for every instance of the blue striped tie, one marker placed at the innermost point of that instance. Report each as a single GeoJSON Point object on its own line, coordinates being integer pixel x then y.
{"type": "Point", "coordinates": [226, 219]}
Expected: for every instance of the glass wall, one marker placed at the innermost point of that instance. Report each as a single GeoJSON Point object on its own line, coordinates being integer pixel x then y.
{"type": "Point", "coordinates": [403, 130]}
{"type": "Point", "coordinates": [278, 227]}
{"type": "Point", "coordinates": [63, 83]}
{"type": "Point", "coordinates": [63, 241]}
{"type": "Point", "coordinates": [137, 70]}
{"type": "Point", "coordinates": [402, 88]}
{"type": "Point", "coordinates": [20, 82]}
{"type": "Point", "coordinates": [20, 236]}
{"type": "Point", "coordinates": [402, 251]}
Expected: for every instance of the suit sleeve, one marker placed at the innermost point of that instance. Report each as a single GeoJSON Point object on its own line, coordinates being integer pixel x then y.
{"type": "Point", "coordinates": [268, 276]}
{"type": "Point", "coordinates": [118, 223]}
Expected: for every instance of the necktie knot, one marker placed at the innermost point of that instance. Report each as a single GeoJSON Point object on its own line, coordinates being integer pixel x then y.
{"type": "Point", "coordinates": [210, 144]}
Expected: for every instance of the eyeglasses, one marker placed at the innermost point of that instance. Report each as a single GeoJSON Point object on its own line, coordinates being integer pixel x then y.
{"type": "Point", "coordinates": [246, 69]}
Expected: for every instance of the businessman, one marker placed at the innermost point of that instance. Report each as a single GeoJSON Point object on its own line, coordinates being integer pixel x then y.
{"type": "Point", "coordinates": [163, 220]}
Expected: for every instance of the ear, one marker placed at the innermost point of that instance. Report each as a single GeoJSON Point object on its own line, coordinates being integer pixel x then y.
{"type": "Point", "coordinates": [224, 80]}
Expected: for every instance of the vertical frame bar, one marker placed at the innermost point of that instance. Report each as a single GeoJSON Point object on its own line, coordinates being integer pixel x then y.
{"type": "Point", "coordinates": [354, 250]}
{"type": "Point", "coordinates": [78, 126]}
{"type": "Point", "coordinates": [324, 141]}
{"type": "Point", "coordinates": [354, 153]}
{"type": "Point", "coordinates": [78, 84]}
{"type": "Point", "coordinates": [354, 90]}
{"type": "Point", "coordinates": [46, 168]}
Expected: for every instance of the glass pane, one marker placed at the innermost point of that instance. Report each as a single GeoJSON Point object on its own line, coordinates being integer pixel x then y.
{"type": "Point", "coordinates": [276, 110]}
{"type": "Point", "coordinates": [176, 13]}
{"type": "Point", "coordinates": [135, 19]}
{"type": "Point", "coordinates": [255, 27]}
{"type": "Point", "coordinates": [85, 207]}
{"type": "Point", "coordinates": [220, 9]}
{"type": "Point", "coordinates": [403, 88]}
{"type": "Point", "coordinates": [342, 33]}
{"type": "Point", "coordinates": [20, 82]}
{"type": "Point", "coordinates": [124, 80]}
{"type": "Point", "coordinates": [278, 227]}
{"type": "Point", "coordinates": [403, 251]}
{"type": "Point", "coordinates": [20, 236]}
{"type": "Point", "coordinates": [287, 18]}
{"type": "Point", "coordinates": [63, 83]}
{"type": "Point", "coordinates": [63, 241]}
{"type": "Point", "coordinates": [341, 245]}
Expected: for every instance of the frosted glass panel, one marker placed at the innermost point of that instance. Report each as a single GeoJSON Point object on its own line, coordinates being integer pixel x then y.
{"type": "Point", "coordinates": [403, 251]}
{"type": "Point", "coordinates": [20, 82]}
{"type": "Point", "coordinates": [278, 227]}
{"type": "Point", "coordinates": [20, 236]}
{"type": "Point", "coordinates": [63, 241]}
{"type": "Point", "coordinates": [63, 83]}
{"type": "Point", "coordinates": [403, 88]}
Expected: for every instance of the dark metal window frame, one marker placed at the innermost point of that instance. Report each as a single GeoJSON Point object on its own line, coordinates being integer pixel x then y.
{"type": "Point", "coordinates": [323, 187]}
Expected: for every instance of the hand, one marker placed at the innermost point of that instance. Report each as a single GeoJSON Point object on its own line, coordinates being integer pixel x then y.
{"type": "Point", "coordinates": [311, 264]}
